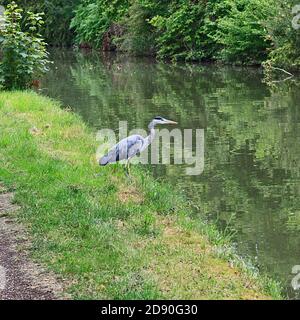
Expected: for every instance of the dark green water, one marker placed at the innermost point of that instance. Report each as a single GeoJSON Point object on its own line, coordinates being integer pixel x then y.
{"type": "Point", "coordinates": [251, 179]}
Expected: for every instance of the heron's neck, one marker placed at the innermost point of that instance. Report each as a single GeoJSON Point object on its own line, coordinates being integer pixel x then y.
{"type": "Point", "coordinates": [152, 129]}
{"type": "Point", "coordinates": [151, 132]}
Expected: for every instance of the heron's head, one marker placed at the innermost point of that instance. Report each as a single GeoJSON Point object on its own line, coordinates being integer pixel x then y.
{"type": "Point", "coordinates": [161, 120]}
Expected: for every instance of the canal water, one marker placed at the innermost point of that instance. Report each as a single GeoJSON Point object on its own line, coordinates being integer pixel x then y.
{"type": "Point", "coordinates": [251, 179]}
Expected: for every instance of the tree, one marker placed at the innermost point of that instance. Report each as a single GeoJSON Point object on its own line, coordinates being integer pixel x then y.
{"type": "Point", "coordinates": [23, 53]}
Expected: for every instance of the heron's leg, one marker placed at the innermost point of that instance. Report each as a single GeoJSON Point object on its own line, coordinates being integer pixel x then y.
{"type": "Point", "coordinates": [127, 169]}
{"type": "Point", "coordinates": [128, 164]}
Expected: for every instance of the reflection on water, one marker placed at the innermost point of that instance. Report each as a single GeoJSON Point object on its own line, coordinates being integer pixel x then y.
{"type": "Point", "coordinates": [251, 180]}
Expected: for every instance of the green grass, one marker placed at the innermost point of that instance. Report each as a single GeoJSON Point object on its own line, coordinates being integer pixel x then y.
{"type": "Point", "coordinates": [107, 236]}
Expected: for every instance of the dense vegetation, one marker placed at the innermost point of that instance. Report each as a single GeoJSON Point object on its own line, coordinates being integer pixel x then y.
{"type": "Point", "coordinates": [93, 19]}
{"type": "Point", "coordinates": [58, 15]}
{"type": "Point", "coordinates": [232, 31]}
{"type": "Point", "coordinates": [23, 50]}
{"type": "Point", "coordinates": [286, 39]}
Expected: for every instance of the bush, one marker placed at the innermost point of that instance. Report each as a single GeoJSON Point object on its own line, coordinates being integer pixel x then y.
{"type": "Point", "coordinates": [233, 31]}
{"type": "Point", "coordinates": [178, 35]}
{"type": "Point", "coordinates": [227, 30]}
{"type": "Point", "coordinates": [242, 32]}
{"type": "Point", "coordinates": [139, 35]}
{"type": "Point", "coordinates": [23, 53]}
{"type": "Point", "coordinates": [94, 17]}
{"type": "Point", "coordinates": [58, 16]}
{"type": "Point", "coordinates": [286, 39]}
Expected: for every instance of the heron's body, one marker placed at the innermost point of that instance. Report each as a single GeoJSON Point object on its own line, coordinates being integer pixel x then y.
{"type": "Point", "coordinates": [124, 150]}
{"type": "Point", "coordinates": [129, 147]}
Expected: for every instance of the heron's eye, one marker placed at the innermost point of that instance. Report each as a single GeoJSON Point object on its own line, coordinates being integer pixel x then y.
{"type": "Point", "coordinates": [158, 118]}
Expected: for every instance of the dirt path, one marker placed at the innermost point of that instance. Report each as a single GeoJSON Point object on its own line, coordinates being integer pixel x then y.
{"type": "Point", "coordinates": [20, 278]}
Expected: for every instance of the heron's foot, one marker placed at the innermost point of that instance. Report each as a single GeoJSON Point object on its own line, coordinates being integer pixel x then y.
{"type": "Point", "coordinates": [96, 175]}
{"type": "Point", "coordinates": [127, 172]}
{"type": "Point", "coordinates": [128, 175]}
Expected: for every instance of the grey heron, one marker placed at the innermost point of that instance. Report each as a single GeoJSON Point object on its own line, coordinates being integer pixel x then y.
{"type": "Point", "coordinates": [129, 147]}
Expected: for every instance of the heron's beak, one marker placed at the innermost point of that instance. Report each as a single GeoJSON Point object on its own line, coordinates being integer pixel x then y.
{"type": "Point", "coordinates": [171, 122]}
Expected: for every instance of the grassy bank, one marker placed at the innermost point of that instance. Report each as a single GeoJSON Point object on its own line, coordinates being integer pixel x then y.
{"type": "Point", "coordinates": [108, 236]}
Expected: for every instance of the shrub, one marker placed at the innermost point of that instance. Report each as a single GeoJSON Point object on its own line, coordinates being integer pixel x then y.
{"type": "Point", "coordinates": [94, 17]}
{"type": "Point", "coordinates": [286, 39]}
{"type": "Point", "coordinates": [139, 35]}
{"type": "Point", "coordinates": [242, 33]}
{"type": "Point", "coordinates": [58, 16]}
{"type": "Point", "coordinates": [23, 53]}
{"type": "Point", "coordinates": [178, 33]}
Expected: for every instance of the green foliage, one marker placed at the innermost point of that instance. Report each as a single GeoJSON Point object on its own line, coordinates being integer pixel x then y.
{"type": "Point", "coordinates": [94, 17]}
{"type": "Point", "coordinates": [227, 30]}
{"type": "Point", "coordinates": [139, 35]}
{"type": "Point", "coordinates": [58, 15]}
{"type": "Point", "coordinates": [179, 32]}
{"type": "Point", "coordinates": [242, 33]}
{"type": "Point", "coordinates": [232, 31]}
{"type": "Point", "coordinates": [286, 39]}
{"type": "Point", "coordinates": [214, 11]}
{"type": "Point", "coordinates": [24, 54]}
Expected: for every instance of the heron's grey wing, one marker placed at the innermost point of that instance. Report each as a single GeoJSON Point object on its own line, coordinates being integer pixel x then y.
{"type": "Point", "coordinates": [135, 144]}
{"type": "Point", "coordinates": [125, 149]}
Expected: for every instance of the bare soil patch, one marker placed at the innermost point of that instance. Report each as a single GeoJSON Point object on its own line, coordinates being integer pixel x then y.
{"type": "Point", "coordinates": [20, 277]}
